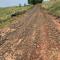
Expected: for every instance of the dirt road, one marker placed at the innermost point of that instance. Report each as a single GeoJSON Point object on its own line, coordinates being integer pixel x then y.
{"type": "Point", "coordinates": [36, 36]}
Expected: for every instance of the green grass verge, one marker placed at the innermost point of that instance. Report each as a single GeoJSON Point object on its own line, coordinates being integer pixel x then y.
{"type": "Point", "coordinates": [5, 14]}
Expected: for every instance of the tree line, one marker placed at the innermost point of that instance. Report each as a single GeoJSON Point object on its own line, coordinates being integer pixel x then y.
{"type": "Point", "coordinates": [34, 1]}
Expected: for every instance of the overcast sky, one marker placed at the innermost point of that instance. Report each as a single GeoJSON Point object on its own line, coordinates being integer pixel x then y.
{"type": "Point", "coordinates": [6, 3]}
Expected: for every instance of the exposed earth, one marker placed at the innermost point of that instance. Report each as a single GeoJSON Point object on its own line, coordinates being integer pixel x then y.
{"type": "Point", "coordinates": [36, 36]}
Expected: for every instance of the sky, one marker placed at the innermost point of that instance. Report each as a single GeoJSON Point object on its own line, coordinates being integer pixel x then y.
{"type": "Point", "coordinates": [6, 3]}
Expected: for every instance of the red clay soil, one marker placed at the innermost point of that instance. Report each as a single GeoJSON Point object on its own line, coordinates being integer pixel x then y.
{"type": "Point", "coordinates": [36, 36]}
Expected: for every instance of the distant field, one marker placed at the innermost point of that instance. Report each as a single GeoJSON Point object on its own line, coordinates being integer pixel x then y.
{"type": "Point", "coordinates": [5, 14]}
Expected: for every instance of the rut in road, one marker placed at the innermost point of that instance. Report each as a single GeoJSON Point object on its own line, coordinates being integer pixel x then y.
{"type": "Point", "coordinates": [35, 38]}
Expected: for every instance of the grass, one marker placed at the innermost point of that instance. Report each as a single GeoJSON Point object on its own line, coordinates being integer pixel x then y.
{"type": "Point", "coordinates": [5, 14]}
{"type": "Point", "coordinates": [53, 7]}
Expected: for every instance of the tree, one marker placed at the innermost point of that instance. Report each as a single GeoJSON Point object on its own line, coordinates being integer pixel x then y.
{"type": "Point", "coordinates": [24, 4]}
{"type": "Point", "coordinates": [19, 5]}
{"type": "Point", "coordinates": [30, 1]}
{"type": "Point", "coordinates": [34, 1]}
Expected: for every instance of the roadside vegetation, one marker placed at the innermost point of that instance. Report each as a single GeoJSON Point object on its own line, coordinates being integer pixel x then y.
{"type": "Point", "coordinates": [5, 14]}
{"type": "Point", "coordinates": [53, 7]}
